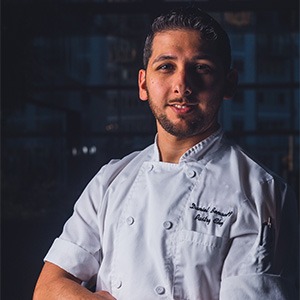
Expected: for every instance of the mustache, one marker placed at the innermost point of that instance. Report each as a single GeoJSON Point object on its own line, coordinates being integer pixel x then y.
{"type": "Point", "coordinates": [185, 100]}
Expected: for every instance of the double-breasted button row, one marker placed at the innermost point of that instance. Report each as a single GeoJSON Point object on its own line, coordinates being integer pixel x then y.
{"type": "Point", "coordinates": [166, 224]}
{"type": "Point", "coordinates": [160, 290]}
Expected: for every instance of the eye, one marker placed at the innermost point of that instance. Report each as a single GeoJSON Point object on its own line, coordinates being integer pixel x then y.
{"type": "Point", "coordinates": [166, 67]}
{"type": "Point", "coordinates": [203, 68]}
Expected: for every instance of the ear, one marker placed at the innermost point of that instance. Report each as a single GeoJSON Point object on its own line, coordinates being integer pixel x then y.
{"type": "Point", "coordinates": [142, 85]}
{"type": "Point", "coordinates": [231, 83]}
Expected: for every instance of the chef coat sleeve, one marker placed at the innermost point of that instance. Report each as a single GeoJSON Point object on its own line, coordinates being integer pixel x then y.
{"type": "Point", "coordinates": [262, 263]}
{"type": "Point", "coordinates": [77, 249]}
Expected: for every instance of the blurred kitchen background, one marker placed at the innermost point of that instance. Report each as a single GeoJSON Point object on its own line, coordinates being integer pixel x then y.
{"type": "Point", "coordinates": [70, 104]}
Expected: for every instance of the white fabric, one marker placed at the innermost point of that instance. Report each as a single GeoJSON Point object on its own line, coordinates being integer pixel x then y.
{"type": "Point", "coordinates": [193, 230]}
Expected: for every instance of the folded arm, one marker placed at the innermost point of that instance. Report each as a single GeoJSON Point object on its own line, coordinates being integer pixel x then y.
{"type": "Point", "coordinates": [56, 283]}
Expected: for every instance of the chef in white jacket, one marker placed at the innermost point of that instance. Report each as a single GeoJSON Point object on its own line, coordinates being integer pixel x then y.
{"type": "Point", "coordinates": [192, 216]}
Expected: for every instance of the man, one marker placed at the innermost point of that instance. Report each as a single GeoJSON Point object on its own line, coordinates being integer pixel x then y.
{"type": "Point", "coordinates": [191, 216]}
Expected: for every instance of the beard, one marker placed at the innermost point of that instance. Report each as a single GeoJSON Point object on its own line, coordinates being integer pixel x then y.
{"type": "Point", "coordinates": [191, 128]}
{"type": "Point", "coordinates": [188, 125]}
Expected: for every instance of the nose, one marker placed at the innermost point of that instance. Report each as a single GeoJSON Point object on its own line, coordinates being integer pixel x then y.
{"type": "Point", "coordinates": [182, 84]}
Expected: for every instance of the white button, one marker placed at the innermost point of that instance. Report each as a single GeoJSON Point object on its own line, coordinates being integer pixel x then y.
{"type": "Point", "coordinates": [130, 220]}
{"type": "Point", "coordinates": [191, 173]}
{"type": "Point", "coordinates": [168, 225]}
{"type": "Point", "coordinates": [160, 290]}
{"type": "Point", "coordinates": [119, 284]}
{"type": "Point", "coordinates": [150, 168]}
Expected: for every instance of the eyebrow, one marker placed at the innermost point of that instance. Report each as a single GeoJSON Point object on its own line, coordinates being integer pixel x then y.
{"type": "Point", "coordinates": [163, 57]}
{"type": "Point", "coordinates": [171, 57]}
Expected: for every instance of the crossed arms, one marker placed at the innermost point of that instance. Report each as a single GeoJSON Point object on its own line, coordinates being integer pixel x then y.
{"type": "Point", "coordinates": [57, 284]}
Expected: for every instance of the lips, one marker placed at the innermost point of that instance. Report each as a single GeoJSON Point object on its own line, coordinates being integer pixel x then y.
{"type": "Point", "coordinates": [182, 108]}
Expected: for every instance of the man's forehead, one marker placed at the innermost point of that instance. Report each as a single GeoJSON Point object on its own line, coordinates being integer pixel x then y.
{"type": "Point", "coordinates": [182, 40]}
{"type": "Point", "coordinates": [187, 35]}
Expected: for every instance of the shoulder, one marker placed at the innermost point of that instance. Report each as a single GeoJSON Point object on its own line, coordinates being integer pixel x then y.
{"type": "Point", "coordinates": [238, 169]}
{"type": "Point", "coordinates": [254, 189]}
{"type": "Point", "coordinates": [112, 174]}
{"type": "Point", "coordinates": [125, 166]}
{"type": "Point", "coordinates": [240, 163]}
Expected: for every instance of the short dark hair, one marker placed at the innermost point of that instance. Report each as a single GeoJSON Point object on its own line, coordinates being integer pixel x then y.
{"type": "Point", "coordinates": [191, 18]}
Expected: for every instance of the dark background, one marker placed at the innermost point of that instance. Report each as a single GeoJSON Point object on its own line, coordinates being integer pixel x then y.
{"type": "Point", "coordinates": [69, 104]}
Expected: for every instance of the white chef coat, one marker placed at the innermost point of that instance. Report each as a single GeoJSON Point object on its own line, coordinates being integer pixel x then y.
{"type": "Point", "coordinates": [193, 230]}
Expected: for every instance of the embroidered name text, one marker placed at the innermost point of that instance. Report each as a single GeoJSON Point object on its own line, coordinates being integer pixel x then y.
{"type": "Point", "coordinates": [222, 214]}
{"type": "Point", "coordinates": [202, 218]}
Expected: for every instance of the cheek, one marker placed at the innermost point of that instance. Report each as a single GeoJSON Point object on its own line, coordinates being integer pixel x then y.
{"type": "Point", "coordinates": [156, 87]}
{"type": "Point", "coordinates": [214, 88]}
{"type": "Point", "coordinates": [155, 82]}
{"type": "Point", "coordinates": [210, 106]}
{"type": "Point", "coordinates": [212, 82]}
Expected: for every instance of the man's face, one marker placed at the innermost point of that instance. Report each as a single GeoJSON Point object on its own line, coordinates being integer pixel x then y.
{"type": "Point", "coordinates": [184, 83]}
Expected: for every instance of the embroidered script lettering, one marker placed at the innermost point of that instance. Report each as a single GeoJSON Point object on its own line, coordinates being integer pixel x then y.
{"type": "Point", "coordinates": [222, 214]}
{"type": "Point", "coordinates": [202, 218]}
{"type": "Point", "coordinates": [218, 221]}
{"type": "Point", "coordinates": [204, 209]}
{"type": "Point", "coordinates": [205, 212]}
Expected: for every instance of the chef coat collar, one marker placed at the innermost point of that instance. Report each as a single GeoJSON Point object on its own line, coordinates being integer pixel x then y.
{"type": "Point", "coordinates": [198, 151]}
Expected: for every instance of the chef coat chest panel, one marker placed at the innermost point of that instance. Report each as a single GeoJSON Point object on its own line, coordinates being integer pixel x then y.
{"type": "Point", "coordinates": [151, 215]}
{"type": "Point", "coordinates": [159, 227]}
{"type": "Point", "coordinates": [159, 191]}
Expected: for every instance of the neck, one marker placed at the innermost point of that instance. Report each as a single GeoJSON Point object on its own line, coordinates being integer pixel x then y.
{"type": "Point", "coordinates": [171, 148]}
